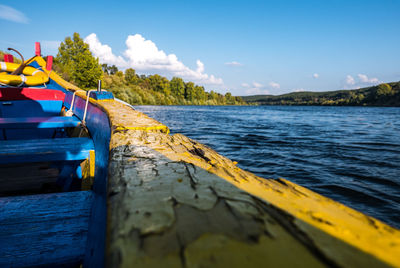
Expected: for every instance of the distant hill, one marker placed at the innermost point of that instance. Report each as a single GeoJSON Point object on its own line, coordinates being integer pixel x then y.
{"type": "Point", "coordinates": [386, 94]}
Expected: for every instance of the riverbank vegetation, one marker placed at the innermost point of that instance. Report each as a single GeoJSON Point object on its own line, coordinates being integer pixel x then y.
{"type": "Point", "coordinates": [158, 90]}
{"type": "Point", "coordinates": [386, 94]}
{"type": "Point", "coordinates": [76, 64]}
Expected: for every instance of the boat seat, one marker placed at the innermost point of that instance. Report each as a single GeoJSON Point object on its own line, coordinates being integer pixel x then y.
{"type": "Point", "coordinates": [38, 122]}
{"type": "Point", "coordinates": [47, 230]}
{"type": "Point", "coordinates": [45, 150]}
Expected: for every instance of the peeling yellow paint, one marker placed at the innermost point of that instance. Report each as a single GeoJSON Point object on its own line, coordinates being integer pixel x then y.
{"type": "Point", "coordinates": [163, 129]}
{"type": "Point", "coordinates": [88, 168]}
{"type": "Point", "coordinates": [221, 251]}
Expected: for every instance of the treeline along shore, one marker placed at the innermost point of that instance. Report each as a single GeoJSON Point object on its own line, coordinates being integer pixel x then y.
{"type": "Point", "coordinates": [158, 90]}
{"type": "Point", "coordinates": [75, 63]}
{"type": "Point", "coordinates": [386, 94]}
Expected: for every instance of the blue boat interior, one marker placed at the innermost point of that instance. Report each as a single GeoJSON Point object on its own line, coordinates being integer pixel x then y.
{"type": "Point", "coordinates": [48, 196]}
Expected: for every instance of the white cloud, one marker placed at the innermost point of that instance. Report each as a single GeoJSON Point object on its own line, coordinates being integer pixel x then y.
{"type": "Point", "coordinates": [257, 85]}
{"type": "Point", "coordinates": [11, 14]}
{"type": "Point", "coordinates": [274, 85]}
{"type": "Point", "coordinates": [200, 67]}
{"type": "Point", "coordinates": [255, 89]}
{"type": "Point", "coordinates": [144, 56]}
{"type": "Point", "coordinates": [361, 80]}
{"type": "Point", "coordinates": [104, 52]}
{"type": "Point", "coordinates": [234, 64]}
{"type": "Point", "coordinates": [298, 90]}
{"type": "Point", "coordinates": [315, 75]}
{"type": "Point", "coordinates": [350, 80]}
{"type": "Point", "coordinates": [364, 79]}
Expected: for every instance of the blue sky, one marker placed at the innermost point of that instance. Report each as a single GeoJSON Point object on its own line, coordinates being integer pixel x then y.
{"type": "Point", "coordinates": [245, 47]}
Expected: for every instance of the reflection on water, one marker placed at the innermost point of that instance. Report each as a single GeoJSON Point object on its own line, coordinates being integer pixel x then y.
{"type": "Point", "coordinates": [351, 154]}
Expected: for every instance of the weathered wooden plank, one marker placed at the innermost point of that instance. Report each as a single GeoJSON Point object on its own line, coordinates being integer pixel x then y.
{"type": "Point", "coordinates": [42, 150]}
{"type": "Point", "coordinates": [48, 229]}
{"type": "Point", "coordinates": [39, 122]}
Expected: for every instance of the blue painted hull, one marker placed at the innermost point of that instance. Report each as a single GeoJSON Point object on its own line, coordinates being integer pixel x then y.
{"type": "Point", "coordinates": [47, 199]}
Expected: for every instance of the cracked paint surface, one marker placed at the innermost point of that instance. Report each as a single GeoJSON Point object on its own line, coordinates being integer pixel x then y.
{"type": "Point", "coordinates": [162, 211]}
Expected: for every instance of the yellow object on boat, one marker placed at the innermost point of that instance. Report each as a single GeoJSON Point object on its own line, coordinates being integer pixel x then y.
{"type": "Point", "coordinates": [30, 76]}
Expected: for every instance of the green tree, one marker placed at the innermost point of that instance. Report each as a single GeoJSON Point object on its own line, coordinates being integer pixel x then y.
{"type": "Point", "coordinates": [112, 69]}
{"type": "Point", "coordinates": [177, 87]}
{"type": "Point", "coordinates": [229, 98]}
{"type": "Point", "coordinates": [120, 74]}
{"type": "Point", "coordinates": [104, 67]}
{"type": "Point", "coordinates": [77, 62]}
{"type": "Point", "coordinates": [384, 90]}
{"type": "Point", "coordinates": [360, 98]}
{"type": "Point", "coordinates": [130, 76]}
{"type": "Point", "coordinates": [239, 100]}
{"type": "Point", "coordinates": [160, 84]}
{"type": "Point", "coordinates": [200, 94]}
{"type": "Point", "coordinates": [189, 91]}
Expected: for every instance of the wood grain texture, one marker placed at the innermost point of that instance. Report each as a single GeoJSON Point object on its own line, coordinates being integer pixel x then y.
{"type": "Point", "coordinates": [48, 229]}
{"type": "Point", "coordinates": [42, 150]}
{"type": "Point", "coordinates": [39, 122]}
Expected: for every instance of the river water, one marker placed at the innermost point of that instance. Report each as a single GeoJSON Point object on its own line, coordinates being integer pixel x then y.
{"type": "Point", "coordinates": [350, 154]}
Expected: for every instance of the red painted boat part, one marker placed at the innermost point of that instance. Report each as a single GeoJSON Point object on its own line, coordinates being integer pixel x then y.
{"type": "Point", "coordinates": [8, 58]}
{"type": "Point", "coordinates": [49, 63]}
{"type": "Point", "coordinates": [38, 51]}
{"type": "Point", "coordinates": [9, 94]}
